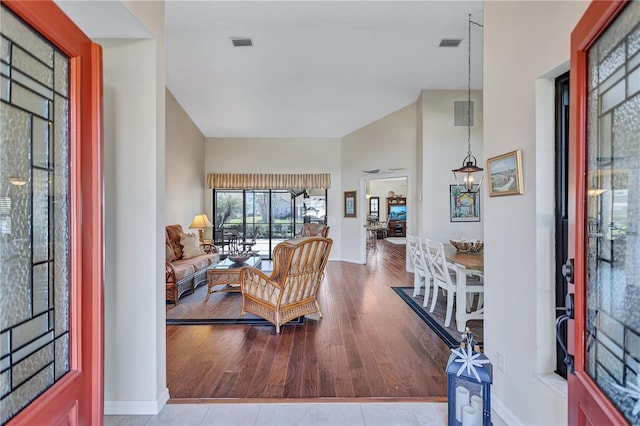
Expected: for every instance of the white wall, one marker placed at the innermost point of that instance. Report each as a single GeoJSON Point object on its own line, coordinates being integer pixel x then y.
{"type": "Point", "coordinates": [134, 162]}
{"type": "Point", "coordinates": [443, 148]}
{"type": "Point", "coordinates": [281, 155]}
{"type": "Point", "coordinates": [386, 143]}
{"type": "Point", "coordinates": [185, 166]}
{"type": "Point", "coordinates": [524, 42]}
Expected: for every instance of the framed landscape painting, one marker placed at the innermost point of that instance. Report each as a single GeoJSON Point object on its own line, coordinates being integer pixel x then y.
{"type": "Point", "coordinates": [464, 206]}
{"type": "Point", "coordinates": [505, 174]}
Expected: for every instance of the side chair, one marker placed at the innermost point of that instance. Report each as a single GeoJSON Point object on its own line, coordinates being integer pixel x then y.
{"type": "Point", "coordinates": [421, 275]}
{"type": "Point", "coordinates": [291, 289]}
{"type": "Point", "coordinates": [444, 278]}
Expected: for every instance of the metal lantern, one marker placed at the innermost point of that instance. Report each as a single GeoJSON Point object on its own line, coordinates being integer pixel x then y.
{"type": "Point", "coordinates": [469, 167]}
{"type": "Point", "coordinates": [469, 376]}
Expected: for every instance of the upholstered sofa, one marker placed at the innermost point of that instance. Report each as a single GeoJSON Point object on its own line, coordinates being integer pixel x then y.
{"type": "Point", "coordinates": [186, 263]}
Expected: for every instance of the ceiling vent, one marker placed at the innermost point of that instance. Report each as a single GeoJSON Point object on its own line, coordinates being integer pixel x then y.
{"type": "Point", "coordinates": [450, 42]}
{"type": "Point", "coordinates": [241, 42]}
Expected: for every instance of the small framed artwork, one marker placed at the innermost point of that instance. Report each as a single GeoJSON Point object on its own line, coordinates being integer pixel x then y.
{"type": "Point", "coordinates": [350, 203]}
{"type": "Point", "coordinates": [505, 174]}
{"type": "Point", "coordinates": [464, 206]}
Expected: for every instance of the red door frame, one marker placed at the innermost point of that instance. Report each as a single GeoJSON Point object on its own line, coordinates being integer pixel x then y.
{"type": "Point", "coordinates": [78, 397]}
{"type": "Point", "coordinates": [587, 403]}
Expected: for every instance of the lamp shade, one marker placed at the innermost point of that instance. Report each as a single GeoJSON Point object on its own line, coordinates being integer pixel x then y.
{"type": "Point", "coordinates": [200, 221]}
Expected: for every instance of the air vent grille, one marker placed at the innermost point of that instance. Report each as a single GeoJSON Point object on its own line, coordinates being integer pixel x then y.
{"type": "Point", "coordinates": [241, 42]}
{"type": "Point", "coordinates": [461, 116]}
{"type": "Point", "coordinates": [450, 42]}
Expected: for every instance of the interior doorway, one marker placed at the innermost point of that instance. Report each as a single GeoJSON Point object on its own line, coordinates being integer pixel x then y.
{"type": "Point", "coordinates": [379, 190]}
{"type": "Point", "coordinates": [385, 211]}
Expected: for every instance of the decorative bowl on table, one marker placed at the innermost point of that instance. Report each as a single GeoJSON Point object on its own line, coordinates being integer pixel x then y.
{"type": "Point", "coordinates": [468, 246]}
{"type": "Point", "coordinates": [239, 258]}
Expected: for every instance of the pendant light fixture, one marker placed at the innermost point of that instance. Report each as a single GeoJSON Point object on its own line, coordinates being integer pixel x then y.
{"type": "Point", "coordinates": [469, 164]}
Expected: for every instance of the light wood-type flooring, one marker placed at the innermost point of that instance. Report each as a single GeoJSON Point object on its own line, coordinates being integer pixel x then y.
{"type": "Point", "coordinates": [368, 345]}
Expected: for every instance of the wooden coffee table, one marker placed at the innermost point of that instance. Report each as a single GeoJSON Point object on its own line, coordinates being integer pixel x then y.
{"type": "Point", "coordinates": [225, 276]}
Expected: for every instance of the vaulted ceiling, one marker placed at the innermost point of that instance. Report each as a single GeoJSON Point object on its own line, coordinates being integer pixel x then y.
{"type": "Point", "coordinates": [315, 68]}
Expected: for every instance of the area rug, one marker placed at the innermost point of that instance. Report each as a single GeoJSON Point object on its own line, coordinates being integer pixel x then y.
{"type": "Point", "coordinates": [396, 240]}
{"type": "Point", "coordinates": [435, 320]}
{"type": "Point", "coordinates": [222, 308]}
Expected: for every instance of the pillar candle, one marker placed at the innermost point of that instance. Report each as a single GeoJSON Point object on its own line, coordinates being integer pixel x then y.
{"type": "Point", "coordinates": [462, 399]}
{"type": "Point", "coordinates": [476, 403]}
{"type": "Point", "coordinates": [469, 416]}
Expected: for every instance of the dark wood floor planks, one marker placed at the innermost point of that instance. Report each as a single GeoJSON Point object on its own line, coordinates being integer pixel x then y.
{"type": "Point", "coordinates": [369, 344]}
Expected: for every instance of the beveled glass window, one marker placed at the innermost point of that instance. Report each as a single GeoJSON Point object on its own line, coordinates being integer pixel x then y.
{"type": "Point", "coordinates": [34, 215]}
{"type": "Point", "coordinates": [613, 211]}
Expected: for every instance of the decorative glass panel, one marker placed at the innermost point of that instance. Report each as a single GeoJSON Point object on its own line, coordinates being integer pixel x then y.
{"type": "Point", "coordinates": [34, 216]}
{"type": "Point", "coordinates": [28, 65]}
{"type": "Point", "coordinates": [40, 142]}
{"type": "Point", "coordinates": [61, 74]}
{"type": "Point", "coordinates": [4, 50]}
{"type": "Point", "coordinates": [24, 36]}
{"type": "Point", "coordinates": [613, 209]}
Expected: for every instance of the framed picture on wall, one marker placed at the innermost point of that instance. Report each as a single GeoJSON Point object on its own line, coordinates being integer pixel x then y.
{"type": "Point", "coordinates": [464, 206]}
{"type": "Point", "coordinates": [505, 174]}
{"type": "Point", "coordinates": [350, 203]}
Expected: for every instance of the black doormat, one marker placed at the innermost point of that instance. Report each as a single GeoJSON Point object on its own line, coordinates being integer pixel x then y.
{"type": "Point", "coordinates": [435, 320]}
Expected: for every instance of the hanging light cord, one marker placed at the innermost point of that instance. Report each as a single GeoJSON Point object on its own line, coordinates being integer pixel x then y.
{"type": "Point", "coordinates": [469, 90]}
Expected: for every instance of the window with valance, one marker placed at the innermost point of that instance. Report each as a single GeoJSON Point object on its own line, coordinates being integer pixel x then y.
{"type": "Point", "coordinates": [269, 181]}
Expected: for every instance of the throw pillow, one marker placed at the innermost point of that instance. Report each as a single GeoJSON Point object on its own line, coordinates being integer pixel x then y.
{"type": "Point", "coordinates": [190, 246]}
{"type": "Point", "coordinates": [171, 255]}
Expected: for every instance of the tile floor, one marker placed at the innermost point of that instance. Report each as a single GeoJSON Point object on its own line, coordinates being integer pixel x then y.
{"type": "Point", "coordinates": [321, 414]}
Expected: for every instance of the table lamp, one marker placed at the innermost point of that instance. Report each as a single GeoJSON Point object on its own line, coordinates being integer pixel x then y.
{"type": "Point", "coordinates": [200, 221]}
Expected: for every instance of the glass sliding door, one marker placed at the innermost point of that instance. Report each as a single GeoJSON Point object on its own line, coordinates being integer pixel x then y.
{"type": "Point", "coordinates": [282, 214]}
{"type": "Point", "coordinates": [266, 216]}
{"type": "Point", "coordinates": [257, 220]}
{"type": "Point", "coordinates": [229, 219]}
{"type": "Point", "coordinates": [315, 204]}
{"type": "Point", "coordinates": [299, 210]}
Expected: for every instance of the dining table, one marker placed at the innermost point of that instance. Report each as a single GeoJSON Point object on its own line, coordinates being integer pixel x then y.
{"type": "Point", "coordinates": [463, 264]}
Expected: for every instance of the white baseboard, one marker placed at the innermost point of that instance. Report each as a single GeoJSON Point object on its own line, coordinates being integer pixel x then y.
{"type": "Point", "coordinates": [136, 407]}
{"type": "Point", "coordinates": [505, 414]}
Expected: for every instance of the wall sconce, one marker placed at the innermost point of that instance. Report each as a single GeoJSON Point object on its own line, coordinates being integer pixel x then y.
{"type": "Point", "coordinates": [200, 222]}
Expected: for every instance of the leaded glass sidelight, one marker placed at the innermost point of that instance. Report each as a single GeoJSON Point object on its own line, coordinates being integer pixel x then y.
{"type": "Point", "coordinates": [613, 211]}
{"type": "Point", "coordinates": [34, 215]}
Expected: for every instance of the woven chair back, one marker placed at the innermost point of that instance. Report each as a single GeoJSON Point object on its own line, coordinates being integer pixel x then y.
{"type": "Point", "coordinates": [299, 267]}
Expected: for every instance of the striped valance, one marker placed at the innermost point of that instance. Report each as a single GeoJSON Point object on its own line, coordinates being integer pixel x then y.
{"type": "Point", "coordinates": [269, 181]}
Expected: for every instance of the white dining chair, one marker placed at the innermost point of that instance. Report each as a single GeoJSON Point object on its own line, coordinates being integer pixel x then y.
{"type": "Point", "coordinates": [444, 278]}
{"type": "Point", "coordinates": [421, 274]}
{"type": "Point", "coordinates": [478, 275]}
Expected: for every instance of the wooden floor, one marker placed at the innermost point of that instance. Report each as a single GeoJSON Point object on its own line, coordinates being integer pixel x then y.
{"type": "Point", "coordinates": [369, 344]}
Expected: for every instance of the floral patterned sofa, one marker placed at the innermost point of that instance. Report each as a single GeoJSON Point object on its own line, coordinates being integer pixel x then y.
{"type": "Point", "coordinates": [186, 263]}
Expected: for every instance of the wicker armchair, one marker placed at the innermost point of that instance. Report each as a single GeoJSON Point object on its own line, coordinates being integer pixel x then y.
{"type": "Point", "coordinates": [314, 230]}
{"type": "Point", "coordinates": [290, 292]}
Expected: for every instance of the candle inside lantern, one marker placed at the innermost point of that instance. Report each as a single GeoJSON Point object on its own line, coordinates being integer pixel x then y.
{"type": "Point", "coordinates": [462, 399]}
{"type": "Point", "coordinates": [476, 403]}
{"type": "Point", "coordinates": [469, 416]}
